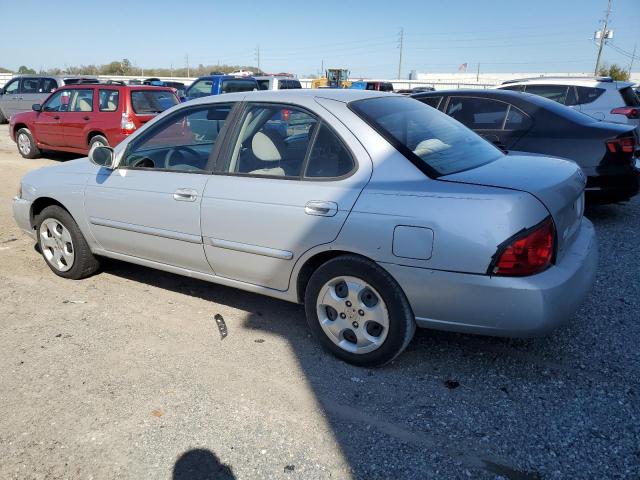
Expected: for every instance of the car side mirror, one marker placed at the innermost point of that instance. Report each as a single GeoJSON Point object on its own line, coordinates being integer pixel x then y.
{"type": "Point", "coordinates": [102, 156]}
{"type": "Point", "coordinates": [36, 107]}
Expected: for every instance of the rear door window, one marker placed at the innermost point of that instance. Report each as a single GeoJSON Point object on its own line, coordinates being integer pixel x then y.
{"type": "Point", "coordinates": [557, 93]}
{"type": "Point", "coordinates": [478, 113]}
{"type": "Point", "coordinates": [231, 86]}
{"type": "Point", "coordinates": [264, 84]}
{"type": "Point", "coordinates": [108, 100]}
{"type": "Point", "coordinates": [588, 94]}
{"type": "Point", "coordinates": [30, 85]}
{"type": "Point", "coordinates": [329, 158]}
{"type": "Point", "coordinates": [149, 102]}
{"type": "Point", "coordinates": [48, 85]}
{"type": "Point", "coordinates": [517, 119]}
{"type": "Point", "coordinates": [272, 141]}
{"type": "Point", "coordinates": [431, 101]}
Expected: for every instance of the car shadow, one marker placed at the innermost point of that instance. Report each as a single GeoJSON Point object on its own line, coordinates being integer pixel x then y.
{"type": "Point", "coordinates": [60, 156]}
{"type": "Point", "coordinates": [378, 415]}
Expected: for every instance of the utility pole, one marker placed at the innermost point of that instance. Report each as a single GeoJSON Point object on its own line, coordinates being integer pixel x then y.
{"type": "Point", "coordinates": [478, 74]}
{"type": "Point", "coordinates": [401, 47]}
{"type": "Point", "coordinates": [186, 59]}
{"type": "Point", "coordinates": [633, 56]}
{"type": "Point", "coordinates": [603, 37]}
{"type": "Point", "coordinates": [257, 56]}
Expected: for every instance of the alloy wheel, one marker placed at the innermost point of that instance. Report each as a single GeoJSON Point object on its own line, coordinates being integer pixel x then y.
{"type": "Point", "coordinates": [24, 144]}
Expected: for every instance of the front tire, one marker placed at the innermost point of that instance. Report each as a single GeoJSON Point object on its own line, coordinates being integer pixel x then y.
{"type": "Point", "coordinates": [26, 144]}
{"type": "Point", "coordinates": [63, 246]}
{"type": "Point", "coordinates": [358, 311]}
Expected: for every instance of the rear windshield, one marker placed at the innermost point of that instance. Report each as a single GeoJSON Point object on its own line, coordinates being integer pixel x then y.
{"type": "Point", "coordinates": [629, 96]}
{"type": "Point", "coordinates": [152, 101]}
{"type": "Point", "coordinates": [434, 142]}
{"type": "Point", "coordinates": [238, 85]}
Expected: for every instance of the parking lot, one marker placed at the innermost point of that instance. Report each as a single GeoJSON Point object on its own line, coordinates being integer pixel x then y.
{"type": "Point", "coordinates": [126, 375]}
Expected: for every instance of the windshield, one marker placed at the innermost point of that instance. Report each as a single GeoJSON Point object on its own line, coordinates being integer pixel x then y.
{"type": "Point", "coordinates": [238, 85]}
{"type": "Point", "coordinates": [434, 142]}
{"type": "Point", "coordinates": [152, 101]}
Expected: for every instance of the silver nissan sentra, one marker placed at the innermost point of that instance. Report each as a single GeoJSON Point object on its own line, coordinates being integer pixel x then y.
{"type": "Point", "coordinates": [376, 211]}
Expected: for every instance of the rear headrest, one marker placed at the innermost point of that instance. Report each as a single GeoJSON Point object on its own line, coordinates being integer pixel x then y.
{"type": "Point", "coordinates": [264, 148]}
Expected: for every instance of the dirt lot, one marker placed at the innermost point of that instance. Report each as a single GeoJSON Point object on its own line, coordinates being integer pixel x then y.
{"type": "Point", "coordinates": [125, 375]}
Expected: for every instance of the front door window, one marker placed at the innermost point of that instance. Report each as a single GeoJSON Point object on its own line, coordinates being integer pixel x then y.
{"type": "Point", "coordinates": [183, 141]}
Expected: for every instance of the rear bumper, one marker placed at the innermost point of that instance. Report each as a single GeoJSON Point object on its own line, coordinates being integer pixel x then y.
{"type": "Point", "coordinates": [614, 188]}
{"type": "Point", "coordinates": [502, 306]}
{"type": "Point", "coordinates": [22, 215]}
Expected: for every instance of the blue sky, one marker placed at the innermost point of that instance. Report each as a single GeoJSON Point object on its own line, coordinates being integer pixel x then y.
{"type": "Point", "coordinates": [296, 36]}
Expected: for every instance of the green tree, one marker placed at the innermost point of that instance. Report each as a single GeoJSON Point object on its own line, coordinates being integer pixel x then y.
{"type": "Point", "coordinates": [614, 71]}
{"type": "Point", "coordinates": [5, 70]}
{"type": "Point", "coordinates": [26, 70]}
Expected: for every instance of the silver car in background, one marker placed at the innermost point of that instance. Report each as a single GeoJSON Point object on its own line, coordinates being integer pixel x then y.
{"type": "Point", "coordinates": [375, 211]}
{"type": "Point", "coordinates": [22, 91]}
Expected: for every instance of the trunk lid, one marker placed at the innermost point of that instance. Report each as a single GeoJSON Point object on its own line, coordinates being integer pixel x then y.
{"type": "Point", "coordinates": [557, 183]}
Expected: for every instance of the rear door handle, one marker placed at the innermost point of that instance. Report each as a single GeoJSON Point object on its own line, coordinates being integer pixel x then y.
{"type": "Point", "coordinates": [185, 195]}
{"type": "Point", "coordinates": [56, 117]}
{"type": "Point", "coordinates": [86, 118]}
{"type": "Point", "coordinates": [321, 208]}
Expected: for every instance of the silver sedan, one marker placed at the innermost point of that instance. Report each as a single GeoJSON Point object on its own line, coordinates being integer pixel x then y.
{"type": "Point", "coordinates": [376, 211]}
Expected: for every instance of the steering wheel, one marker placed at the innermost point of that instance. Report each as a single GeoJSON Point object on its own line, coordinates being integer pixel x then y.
{"type": "Point", "coordinates": [143, 162]}
{"type": "Point", "coordinates": [188, 150]}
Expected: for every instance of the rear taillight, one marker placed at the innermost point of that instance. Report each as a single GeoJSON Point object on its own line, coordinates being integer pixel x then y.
{"type": "Point", "coordinates": [624, 145]}
{"type": "Point", "coordinates": [126, 124]}
{"type": "Point", "coordinates": [629, 112]}
{"type": "Point", "coordinates": [528, 253]}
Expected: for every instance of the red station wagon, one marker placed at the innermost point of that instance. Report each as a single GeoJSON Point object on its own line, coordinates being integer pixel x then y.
{"type": "Point", "coordinates": [79, 117]}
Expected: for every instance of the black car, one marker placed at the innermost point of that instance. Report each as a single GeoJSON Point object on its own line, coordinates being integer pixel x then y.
{"type": "Point", "coordinates": [609, 153]}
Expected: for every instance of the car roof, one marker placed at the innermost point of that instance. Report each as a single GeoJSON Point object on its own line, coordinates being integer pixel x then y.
{"type": "Point", "coordinates": [344, 95]}
{"type": "Point", "coordinates": [603, 82]}
{"type": "Point", "coordinates": [519, 99]}
{"type": "Point", "coordinates": [75, 86]}
{"type": "Point", "coordinates": [44, 75]}
{"type": "Point", "coordinates": [225, 77]}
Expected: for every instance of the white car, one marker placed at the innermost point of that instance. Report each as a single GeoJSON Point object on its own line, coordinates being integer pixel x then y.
{"type": "Point", "coordinates": [278, 82]}
{"type": "Point", "coordinates": [599, 97]}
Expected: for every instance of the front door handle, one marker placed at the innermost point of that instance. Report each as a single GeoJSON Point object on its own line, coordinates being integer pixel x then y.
{"type": "Point", "coordinates": [86, 118]}
{"type": "Point", "coordinates": [56, 117]}
{"type": "Point", "coordinates": [185, 195]}
{"type": "Point", "coordinates": [321, 208]}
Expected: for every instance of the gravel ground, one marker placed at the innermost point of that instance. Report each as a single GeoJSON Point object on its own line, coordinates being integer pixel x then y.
{"type": "Point", "coordinates": [125, 375]}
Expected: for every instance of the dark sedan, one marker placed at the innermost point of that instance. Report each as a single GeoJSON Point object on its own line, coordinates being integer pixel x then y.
{"type": "Point", "coordinates": [607, 152]}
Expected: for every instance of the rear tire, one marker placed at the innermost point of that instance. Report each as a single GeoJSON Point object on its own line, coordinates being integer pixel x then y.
{"type": "Point", "coordinates": [62, 244]}
{"type": "Point", "coordinates": [358, 311]}
{"type": "Point", "coordinates": [26, 144]}
{"type": "Point", "coordinates": [98, 141]}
